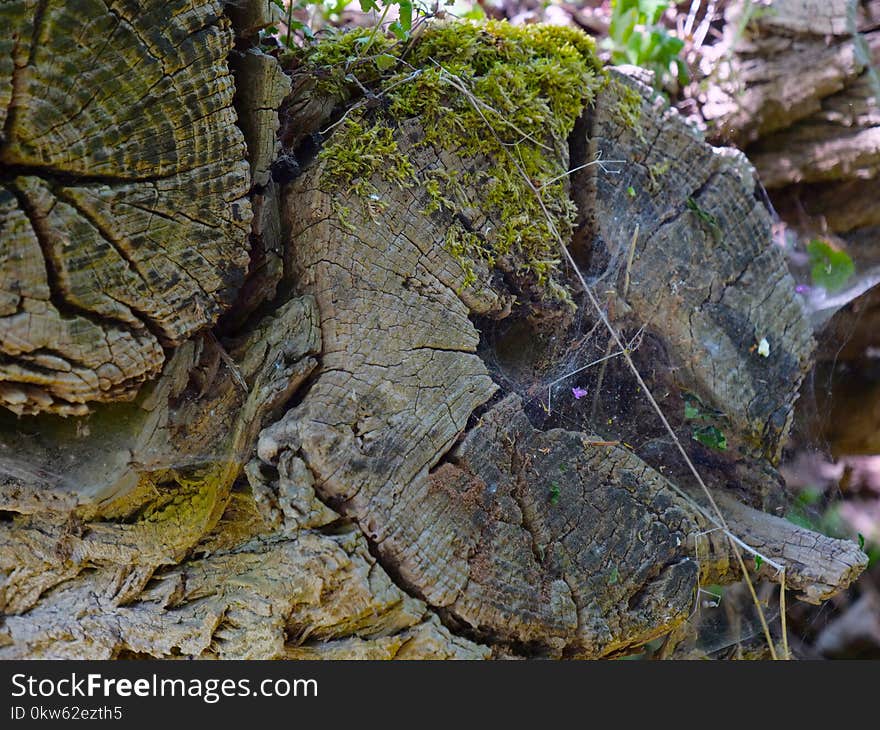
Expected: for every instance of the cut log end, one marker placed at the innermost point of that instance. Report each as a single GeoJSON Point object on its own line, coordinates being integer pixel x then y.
{"type": "Point", "coordinates": [123, 207]}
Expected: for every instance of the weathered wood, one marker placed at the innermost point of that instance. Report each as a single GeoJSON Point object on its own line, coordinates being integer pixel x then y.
{"type": "Point", "coordinates": [503, 535]}
{"type": "Point", "coordinates": [124, 216]}
{"type": "Point", "coordinates": [180, 562]}
{"type": "Point", "coordinates": [261, 87]}
{"type": "Point", "coordinates": [801, 93]}
{"type": "Point", "coordinates": [408, 496]}
{"type": "Point", "coordinates": [703, 275]}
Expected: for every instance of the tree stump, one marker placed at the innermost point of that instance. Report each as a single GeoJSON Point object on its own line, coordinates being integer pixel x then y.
{"type": "Point", "coordinates": [389, 461]}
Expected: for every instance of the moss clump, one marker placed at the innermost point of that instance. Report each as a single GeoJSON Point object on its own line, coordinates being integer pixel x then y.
{"type": "Point", "coordinates": [629, 108]}
{"type": "Point", "coordinates": [507, 94]}
{"type": "Point", "coordinates": [358, 151]}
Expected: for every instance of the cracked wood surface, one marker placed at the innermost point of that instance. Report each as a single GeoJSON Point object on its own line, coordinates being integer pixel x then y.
{"type": "Point", "coordinates": [123, 206]}
{"type": "Point", "coordinates": [403, 503]}
{"type": "Point", "coordinates": [133, 532]}
{"type": "Point", "coordinates": [704, 274]}
{"type": "Point", "coordinates": [186, 561]}
{"type": "Point", "coordinates": [802, 95]}
{"type": "Point", "coordinates": [465, 515]}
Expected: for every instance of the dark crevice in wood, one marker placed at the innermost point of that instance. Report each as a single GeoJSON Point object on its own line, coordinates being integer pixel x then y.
{"type": "Point", "coordinates": [582, 148]}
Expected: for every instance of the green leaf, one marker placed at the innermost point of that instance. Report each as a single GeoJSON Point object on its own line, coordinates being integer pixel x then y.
{"type": "Point", "coordinates": [653, 9]}
{"type": "Point", "coordinates": [614, 576]}
{"type": "Point", "coordinates": [368, 5]}
{"type": "Point", "coordinates": [712, 437]}
{"type": "Point", "coordinates": [554, 494]}
{"type": "Point", "coordinates": [475, 13]}
{"type": "Point", "coordinates": [759, 561]}
{"type": "Point", "coordinates": [299, 25]}
{"type": "Point", "coordinates": [830, 268]}
{"type": "Point", "coordinates": [399, 31]}
{"type": "Point", "coordinates": [672, 44]}
{"type": "Point", "coordinates": [385, 61]}
{"type": "Point", "coordinates": [861, 542]}
{"type": "Point", "coordinates": [405, 14]}
{"type": "Point", "coordinates": [631, 191]}
{"type": "Point", "coordinates": [691, 411]}
{"type": "Point", "coordinates": [684, 75]}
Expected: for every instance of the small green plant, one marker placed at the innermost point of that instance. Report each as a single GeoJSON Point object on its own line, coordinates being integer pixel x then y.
{"type": "Point", "coordinates": [554, 494]}
{"type": "Point", "coordinates": [830, 268]}
{"type": "Point", "coordinates": [400, 27]}
{"type": "Point", "coordinates": [695, 409]}
{"type": "Point", "coordinates": [635, 37]}
{"type": "Point", "coordinates": [759, 561]}
{"type": "Point", "coordinates": [327, 12]}
{"type": "Point", "coordinates": [711, 436]}
{"type": "Point", "coordinates": [705, 216]}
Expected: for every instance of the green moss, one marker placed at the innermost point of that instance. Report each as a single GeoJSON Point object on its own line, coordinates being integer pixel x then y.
{"type": "Point", "coordinates": [359, 151]}
{"type": "Point", "coordinates": [340, 54]}
{"type": "Point", "coordinates": [492, 91]}
{"type": "Point", "coordinates": [467, 247]}
{"type": "Point", "coordinates": [629, 107]}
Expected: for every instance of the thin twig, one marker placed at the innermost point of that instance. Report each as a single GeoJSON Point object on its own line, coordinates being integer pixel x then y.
{"type": "Point", "coordinates": [692, 16]}
{"type": "Point", "coordinates": [598, 161]}
{"type": "Point", "coordinates": [705, 25]}
{"type": "Point", "coordinates": [786, 651]}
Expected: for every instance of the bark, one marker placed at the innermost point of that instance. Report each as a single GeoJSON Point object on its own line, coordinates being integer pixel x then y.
{"type": "Point", "coordinates": [801, 96]}
{"type": "Point", "coordinates": [357, 467]}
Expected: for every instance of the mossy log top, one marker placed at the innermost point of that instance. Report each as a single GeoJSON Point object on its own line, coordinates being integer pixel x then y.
{"type": "Point", "coordinates": [123, 213]}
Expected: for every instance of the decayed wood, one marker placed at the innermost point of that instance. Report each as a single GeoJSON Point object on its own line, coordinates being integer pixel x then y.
{"type": "Point", "coordinates": [405, 500]}
{"type": "Point", "coordinates": [802, 93]}
{"type": "Point", "coordinates": [816, 565]}
{"type": "Point", "coordinates": [711, 286]}
{"type": "Point", "coordinates": [181, 561]}
{"type": "Point", "coordinates": [124, 216]}
{"type": "Point", "coordinates": [261, 87]}
{"type": "Point", "coordinates": [508, 536]}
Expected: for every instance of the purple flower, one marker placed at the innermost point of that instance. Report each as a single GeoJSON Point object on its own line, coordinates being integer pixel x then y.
{"type": "Point", "coordinates": [802, 288]}
{"type": "Point", "coordinates": [578, 393]}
